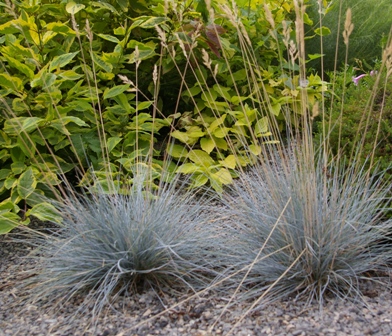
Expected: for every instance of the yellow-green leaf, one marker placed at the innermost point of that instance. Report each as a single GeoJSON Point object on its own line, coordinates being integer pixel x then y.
{"type": "Point", "coordinates": [217, 122]}
{"type": "Point", "coordinates": [261, 126]}
{"type": "Point", "coordinates": [113, 142]}
{"type": "Point", "coordinates": [152, 21]}
{"type": "Point", "coordinates": [201, 158]}
{"type": "Point", "coordinates": [10, 82]}
{"type": "Point", "coordinates": [26, 183]}
{"type": "Point", "coordinates": [323, 31]}
{"type": "Point", "coordinates": [144, 105]}
{"type": "Point", "coordinates": [221, 132]}
{"type": "Point", "coordinates": [275, 109]}
{"type": "Point", "coordinates": [73, 8]}
{"type": "Point", "coordinates": [177, 151]}
{"type": "Point", "coordinates": [115, 91]}
{"type": "Point", "coordinates": [23, 68]}
{"type": "Point", "coordinates": [182, 136]}
{"type": "Point", "coordinates": [188, 168]}
{"type": "Point", "coordinates": [199, 180]}
{"type": "Point", "coordinates": [207, 144]}
{"type": "Point", "coordinates": [229, 162]}
{"type": "Point", "coordinates": [223, 176]}
{"type": "Point", "coordinates": [8, 221]}
{"type": "Point", "coordinates": [101, 63]}
{"type": "Point", "coordinates": [62, 60]}
{"type": "Point", "coordinates": [45, 212]}
{"type": "Point", "coordinates": [254, 149]}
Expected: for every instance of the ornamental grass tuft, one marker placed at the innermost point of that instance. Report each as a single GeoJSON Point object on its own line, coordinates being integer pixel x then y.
{"type": "Point", "coordinates": [112, 245]}
{"type": "Point", "coordinates": [308, 228]}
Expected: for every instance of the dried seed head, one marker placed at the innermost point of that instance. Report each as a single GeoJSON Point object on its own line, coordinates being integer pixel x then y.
{"type": "Point", "coordinates": [286, 33]}
{"type": "Point", "coordinates": [206, 59]}
{"type": "Point", "coordinates": [126, 80]}
{"type": "Point", "coordinates": [137, 57]}
{"type": "Point", "coordinates": [269, 16]}
{"type": "Point", "coordinates": [348, 27]}
{"type": "Point", "coordinates": [75, 26]}
{"type": "Point", "coordinates": [182, 45]}
{"type": "Point", "coordinates": [215, 70]}
{"type": "Point", "coordinates": [162, 35]}
{"type": "Point", "coordinates": [293, 52]}
{"type": "Point", "coordinates": [155, 75]}
{"type": "Point", "coordinates": [88, 30]}
{"type": "Point", "coordinates": [387, 58]}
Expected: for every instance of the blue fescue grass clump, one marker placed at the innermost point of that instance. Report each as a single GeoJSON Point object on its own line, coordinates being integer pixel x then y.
{"type": "Point", "coordinates": [307, 229]}
{"type": "Point", "coordinates": [111, 245]}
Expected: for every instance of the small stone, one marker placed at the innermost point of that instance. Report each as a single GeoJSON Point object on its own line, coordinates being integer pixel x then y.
{"type": "Point", "coordinates": [147, 313]}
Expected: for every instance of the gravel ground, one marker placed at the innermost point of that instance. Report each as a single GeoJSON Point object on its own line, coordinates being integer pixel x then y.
{"type": "Point", "coordinates": [198, 316]}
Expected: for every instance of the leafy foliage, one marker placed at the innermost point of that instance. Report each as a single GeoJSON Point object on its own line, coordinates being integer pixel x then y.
{"type": "Point", "coordinates": [368, 37]}
{"type": "Point", "coordinates": [99, 85]}
{"type": "Point", "coordinates": [360, 118]}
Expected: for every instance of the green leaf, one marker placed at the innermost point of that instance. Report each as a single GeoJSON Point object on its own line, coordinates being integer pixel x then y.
{"type": "Point", "coordinates": [223, 176]}
{"type": "Point", "coordinates": [221, 143]}
{"type": "Point", "coordinates": [8, 221]}
{"type": "Point", "coordinates": [217, 122]}
{"type": "Point", "coordinates": [254, 149]}
{"type": "Point", "coordinates": [62, 60]}
{"type": "Point", "coordinates": [10, 82]}
{"type": "Point", "coordinates": [59, 27]}
{"type": "Point", "coordinates": [110, 38]}
{"type": "Point", "coordinates": [144, 105]}
{"type": "Point", "coordinates": [201, 158]}
{"type": "Point", "coordinates": [105, 5]}
{"type": "Point", "coordinates": [315, 56]}
{"type": "Point", "coordinates": [207, 144]}
{"type": "Point", "coordinates": [261, 126]}
{"type": "Point", "coordinates": [151, 22]}
{"type": "Point", "coordinates": [182, 136]}
{"type": "Point", "coordinates": [115, 91]}
{"type": "Point", "coordinates": [222, 91]}
{"type": "Point", "coordinates": [177, 151]}
{"type": "Point", "coordinates": [323, 31]}
{"type": "Point", "coordinates": [229, 162]}
{"type": "Point", "coordinates": [221, 132]}
{"type": "Point", "coordinates": [4, 173]}
{"type": "Point", "coordinates": [101, 63]}
{"type": "Point", "coordinates": [10, 27]}
{"type": "Point", "coordinates": [119, 31]}
{"type": "Point", "coordinates": [22, 124]}
{"type": "Point", "coordinates": [7, 205]}
{"type": "Point", "coordinates": [188, 168]}
{"type": "Point", "coordinates": [70, 75]}
{"type": "Point", "coordinates": [73, 8]}
{"type": "Point", "coordinates": [20, 66]}
{"type": "Point", "coordinates": [26, 183]}
{"type": "Point", "coordinates": [199, 180]}
{"type": "Point", "coordinates": [45, 212]}
{"type": "Point", "coordinates": [275, 109]}
{"type": "Point", "coordinates": [113, 142]}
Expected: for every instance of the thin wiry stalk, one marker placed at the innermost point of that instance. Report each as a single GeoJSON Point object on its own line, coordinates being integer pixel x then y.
{"type": "Point", "coordinates": [112, 245]}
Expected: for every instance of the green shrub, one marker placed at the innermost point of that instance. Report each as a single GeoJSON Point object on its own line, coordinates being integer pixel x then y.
{"type": "Point", "coordinates": [358, 123]}
{"type": "Point", "coordinates": [367, 39]}
{"type": "Point", "coordinates": [98, 86]}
